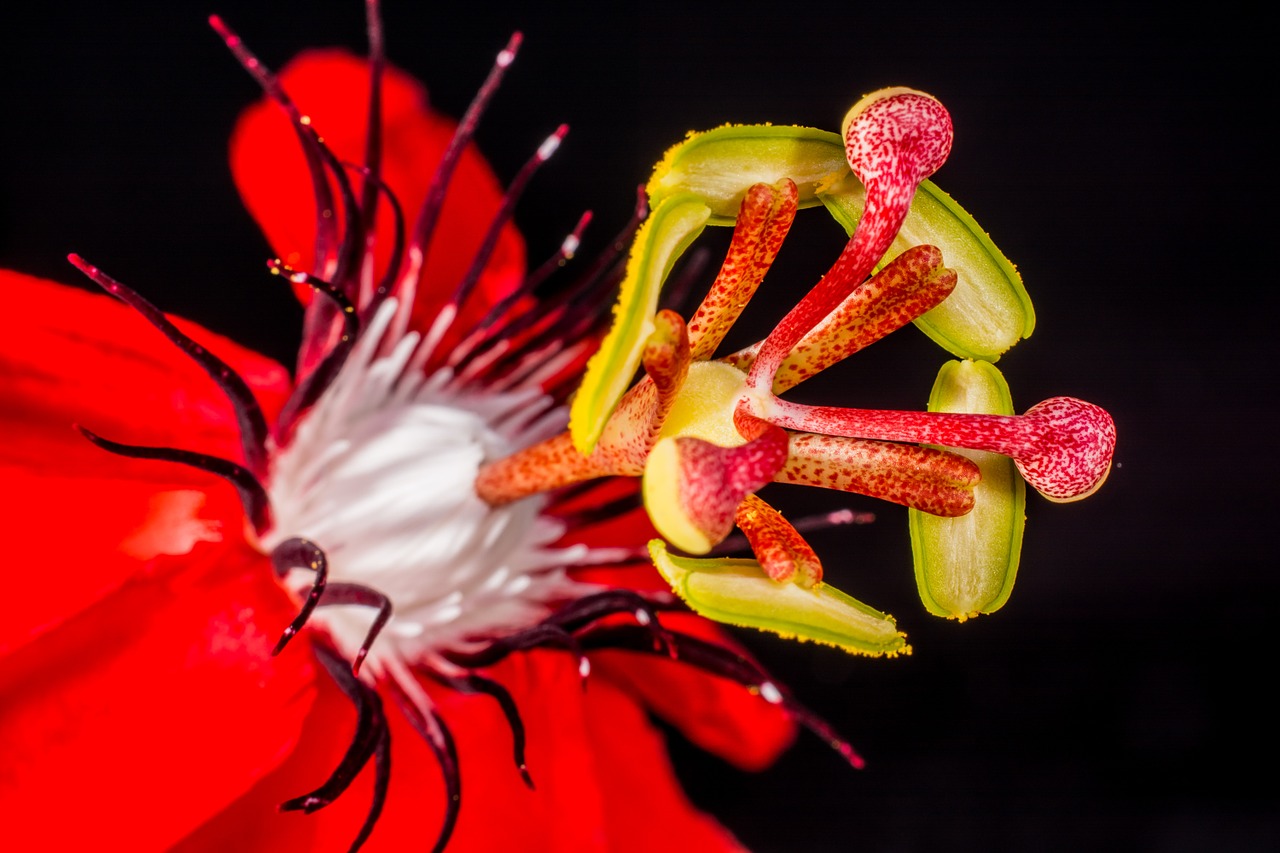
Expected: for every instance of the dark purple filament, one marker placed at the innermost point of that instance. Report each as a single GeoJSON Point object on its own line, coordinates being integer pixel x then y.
{"type": "Point", "coordinates": [315, 383]}
{"type": "Point", "coordinates": [564, 253]}
{"type": "Point", "coordinates": [503, 216]}
{"type": "Point", "coordinates": [542, 635]}
{"type": "Point", "coordinates": [253, 425]}
{"type": "Point", "coordinates": [326, 225]}
{"type": "Point", "coordinates": [373, 127]}
{"type": "Point", "coordinates": [321, 163]}
{"type": "Point", "coordinates": [476, 683]}
{"type": "Point", "coordinates": [502, 310]}
{"type": "Point", "coordinates": [354, 593]}
{"type": "Point", "coordinates": [593, 608]}
{"type": "Point", "coordinates": [431, 206]}
{"type": "Point", "coordinates": [385, 284]}
{"type": "Point", "coordinates": [300, 553]}
{"type": "Point", "coordinates": [427, 723]}
{"type": "Point", "coordinates": [253, 496]}
{"type": "Point", "coordinates": [350, 322]}
{"type": "Point", "coordinates": [372, 739]}
{"type": "Point", "coordinates": [597, 277]}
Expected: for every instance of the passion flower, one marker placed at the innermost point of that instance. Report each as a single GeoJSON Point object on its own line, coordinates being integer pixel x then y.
{"type": "Point", "coordinates": [442, 527]}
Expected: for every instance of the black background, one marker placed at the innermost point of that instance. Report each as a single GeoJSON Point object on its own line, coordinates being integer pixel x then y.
{"type": "Point", "coordinates": [1122, 700]}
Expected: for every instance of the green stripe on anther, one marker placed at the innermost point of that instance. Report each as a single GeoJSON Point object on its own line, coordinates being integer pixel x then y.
{"type": "Point", "coordinates": [737, 592]}
{"type": "Point", "coordinates": [967, 565]}
{"type": "Point", "coordinates": [669, 230]}
{"type": "Point", "coordinates": [989, 311]}
{"type": "Point", "coordinates": [719, 166]}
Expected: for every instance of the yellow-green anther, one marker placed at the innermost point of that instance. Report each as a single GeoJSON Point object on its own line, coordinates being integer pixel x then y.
{"type": "Point", "coordinates": [673, 225]}
{"type": "Point", "coordinates": [718, 166]}
{"type": "Point", "coordinates": [967, 565]}
{"type": "Point", "coordinates": [738, 592]}
{"type": "Point", "coordinates": [989, 311]}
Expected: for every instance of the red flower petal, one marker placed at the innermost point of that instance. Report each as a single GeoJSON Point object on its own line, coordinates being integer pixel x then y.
{"type": "Point", "coordinates": [716, 714]}
{"type": "Point", "coordinates": [644, 807]}
{"type": "Point", "coordinates": [332, 88]}
{"type": "Point", "coordinates": [81, 357]}
{"type": "Point", "coordinates": [77, 357]}
{"type": "Point", "coordinates": [600, 769]}
{"type": "Point", "coordinates": [151, 712]}
{"type": "Point", "coordinates": [254, 821]}
{"type": "Point", "coordinates": [81, 538]}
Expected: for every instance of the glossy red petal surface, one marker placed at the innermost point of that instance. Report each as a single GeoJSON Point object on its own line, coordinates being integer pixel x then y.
{"type": "Point", "coordinates": [81, 521]}
{"type": "Point", "coordinates": [151, 712]}
{"type": "Point", "coordinates": [331, 86]}
{"type": "Point", "coordinates": [254, 823]}
{"type": "Point", "coordinates": [79, 357]}
{"type": "Point", "coordinates": [716, 714]}
{"type": "Point", "coordinates": [76, 540]}
{"type": "Point", "coordinates": [644, 807]}
{"type": "Point", "coordinates": [601, 774]}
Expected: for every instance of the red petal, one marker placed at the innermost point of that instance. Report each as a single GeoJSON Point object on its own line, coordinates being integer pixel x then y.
{"type": "Point", "coordinates": [716, 714]}
{"type": "Point", "coordinates": [98, 519]}
{"type": "Point", "coordinates": [332, 87]}
{"type": "Point", "coordinates": [77, 357]}
{"type": "Point", "coordinates": [644, 807]}
{"type": "Point", "coordinates": [80, 539]}
{"type": "Point", "coordinates": [151, 712]}
{"type": "Point", "coordinates": [602, 777]}
{"type": "Point", "coordinates": [254, 821]}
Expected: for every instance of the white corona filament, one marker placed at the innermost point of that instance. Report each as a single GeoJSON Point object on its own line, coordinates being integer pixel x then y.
{"type": "Point", "coordinates": [380, 474]}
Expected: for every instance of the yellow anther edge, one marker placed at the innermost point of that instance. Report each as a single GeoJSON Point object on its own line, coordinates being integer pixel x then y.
{"type": "Point", "coordinates": [675, 224]}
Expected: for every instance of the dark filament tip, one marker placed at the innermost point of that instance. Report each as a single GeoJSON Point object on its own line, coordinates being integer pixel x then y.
{"type": "Point", "coordinates": [252, 495]}
{"type": "Point", "coordinates": [476, 683]}
{"type": "Point", "coordinates": [354, 593]}
{"type": "Point", "coordinates": [437, 736]}
{"type": "Point", "coordinates": [300, 553]}
{"type": "Point", "coordinates": [253, 424]}
{"type": "Point", "coordinates": [372, 739]}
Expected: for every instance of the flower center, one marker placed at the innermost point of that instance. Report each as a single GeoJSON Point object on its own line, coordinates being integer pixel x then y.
{"type": "Point", "coordinates": [705, 405]}
{"type": "Point", "coordinates": [380, 475]}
